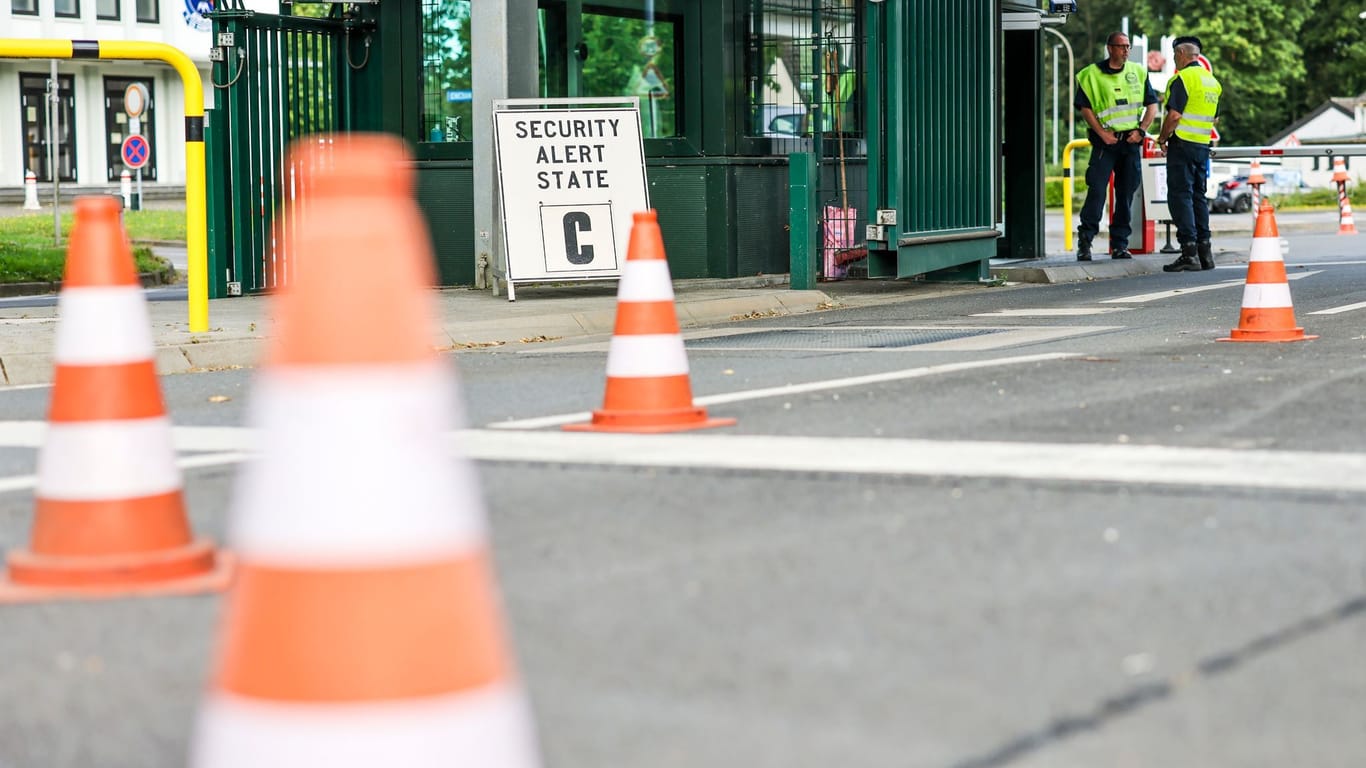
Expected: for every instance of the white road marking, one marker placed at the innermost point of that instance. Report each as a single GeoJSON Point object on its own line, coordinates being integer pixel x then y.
{"type": "Point", "coordinates": [797, 389]}
{"type": "Point", "coordinates": [1145, 465]}
{"type": "Point", "coordinates": [26, 482]}
{"type": "Point", "coordinates": [1337, 310]}
{"type": "Point", "coordinates": [1001, 336]}
{"type": "Point", "coordinates": [1146, 297]}
{"type": "Point", "coordinates": [18, 387]}
{"type": "Point", "coordinates": [1130, 464]}
{"type": "Point", "coordinates": [1052, 312]}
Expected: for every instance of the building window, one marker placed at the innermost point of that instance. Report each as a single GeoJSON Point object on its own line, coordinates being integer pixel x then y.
{"type": "Point", "coordinates": [33, 107]}
{"type": "Point", "coordinates": [119, 126]}
{"type": "Point", "coordinates": [148, 11]}
{"type": "Point", "coordinates": [107, 9]}
{"type": "Point", "coordinates": [447, 84]}
{"type": "Point", "coordinates": [24, 7]}
{"type": "Point", "coordinates": [67, 8]}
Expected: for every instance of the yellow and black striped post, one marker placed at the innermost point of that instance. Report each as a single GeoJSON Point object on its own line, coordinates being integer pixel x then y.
{"type": "Point", "coordinates": [196, 217]}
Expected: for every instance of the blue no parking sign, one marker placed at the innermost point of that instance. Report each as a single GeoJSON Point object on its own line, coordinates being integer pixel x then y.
{"type": "Point", "coordinates": [136, 151]}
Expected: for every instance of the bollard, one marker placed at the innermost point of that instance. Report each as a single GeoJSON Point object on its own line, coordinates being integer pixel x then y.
{"type": "Point", "coordinates": [31, 192]}
{"type": "Point", "coordinates": [126, 189]}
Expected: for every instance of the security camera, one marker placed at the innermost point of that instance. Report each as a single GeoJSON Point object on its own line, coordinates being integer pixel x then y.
{"type": "Point", "coordinates": [1062, 6]}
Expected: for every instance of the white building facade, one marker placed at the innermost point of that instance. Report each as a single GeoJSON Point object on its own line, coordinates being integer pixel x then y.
{"type": "Point", "coordinates": [91, 123]}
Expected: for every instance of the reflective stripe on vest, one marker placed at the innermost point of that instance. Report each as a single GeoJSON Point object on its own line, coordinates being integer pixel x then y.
{"type": "Point", "coordinates": [1107, 91]}
{"type": "Point", "coordinates": [1202, 104]}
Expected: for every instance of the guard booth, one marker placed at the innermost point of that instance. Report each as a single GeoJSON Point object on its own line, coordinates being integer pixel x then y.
{"type": "Point", "coordinates": [922, 121]}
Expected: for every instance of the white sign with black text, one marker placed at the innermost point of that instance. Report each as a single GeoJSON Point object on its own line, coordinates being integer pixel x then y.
{"type": "Point", "coordinates": [571, 177]}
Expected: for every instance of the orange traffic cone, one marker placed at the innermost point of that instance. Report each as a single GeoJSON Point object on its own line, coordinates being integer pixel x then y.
{"type": "Point", "coordinates": [110, 516]}
{"type": "Point", "coordinates": [1267, 312]}
{"type": "Point", "coordinates": [363, 628]}
{"type": "Point", "coordinates": [647, 368]}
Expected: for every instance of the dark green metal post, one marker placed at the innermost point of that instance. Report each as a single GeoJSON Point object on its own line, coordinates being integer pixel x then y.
{"type": "Point", "coordinates": [803, 219]}
{"type": "Point", "coordinates": [215, 196]}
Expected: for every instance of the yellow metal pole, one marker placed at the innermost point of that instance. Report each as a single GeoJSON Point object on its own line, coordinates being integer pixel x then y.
{"type": "Point", "coordinates": [196, 215]}
{"type": "Point", "coordinates": [1067, 191]}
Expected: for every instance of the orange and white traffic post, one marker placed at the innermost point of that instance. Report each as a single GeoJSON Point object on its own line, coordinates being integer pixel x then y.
{"type": "Point", "coordinates": [648, 386]}
{"type": "Point", "coordinates": [1346, 226]}
{"type": "Point", "coordinates": [110, 517]}
{"type": "Point", "coordinates": [363, 628]}
{"type": "Point", "coordinates": [1255, 179]}
{"type": "Point", "coordinates": [1267, 313]}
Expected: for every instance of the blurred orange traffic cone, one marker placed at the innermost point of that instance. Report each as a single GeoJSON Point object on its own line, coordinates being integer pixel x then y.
{"type": "Point", "coordinates": [1267, 313]}
{"type": "Point", "coordinates": [110, 516]}
{"type": "Point", "coordinates": [363, 628]}
{"type": "Point", "coordinates": [647, 368]}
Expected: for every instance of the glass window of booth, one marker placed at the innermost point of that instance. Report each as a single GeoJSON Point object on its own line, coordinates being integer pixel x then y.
{"type": "Point", "coordinates": [447, 80]}
{"type": "Point", "coordinates": [24, 7]}
{"type": "Point", "coordinates": [629, 48]}
{"type": "Point", "coordinates": [804, 71]}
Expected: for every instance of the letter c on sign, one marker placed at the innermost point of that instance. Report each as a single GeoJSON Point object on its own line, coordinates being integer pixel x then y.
{"type": "Point", "coordinates": [574, 223]}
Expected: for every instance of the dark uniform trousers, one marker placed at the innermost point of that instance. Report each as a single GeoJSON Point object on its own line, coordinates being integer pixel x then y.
{"type": "Point", "coordinates": [1186, 179]}
{"type": "Point", "coordinates": [1123, 159]}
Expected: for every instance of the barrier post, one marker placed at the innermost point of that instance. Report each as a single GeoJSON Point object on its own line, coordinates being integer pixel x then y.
{"type": "Point", "coordinates": [801, 218]}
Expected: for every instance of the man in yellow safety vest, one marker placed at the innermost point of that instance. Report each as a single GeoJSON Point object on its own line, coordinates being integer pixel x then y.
{"type": "Point", "coordinates": [1118, 104]}
{"type": "Point", "coordinates": [1192, 103]}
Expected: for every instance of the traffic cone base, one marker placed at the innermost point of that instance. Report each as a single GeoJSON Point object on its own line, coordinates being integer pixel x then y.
{"type": "Point", "coordinates": [648, 388]}
{"type": "Point", "coordinates": [488, 727]}
{"type": "Point", "coordinates": [188, 570]}
{"type": "Point", "coordinates": [109, 517]}
{"type": "Point", "coordinates": [650, 422]}
{"type": "Point", "coordinates": [1267, 313]}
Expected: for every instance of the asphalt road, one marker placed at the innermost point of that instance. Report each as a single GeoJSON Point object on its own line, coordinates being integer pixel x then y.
{"type": "Point", "coordinates": [1057, 526]}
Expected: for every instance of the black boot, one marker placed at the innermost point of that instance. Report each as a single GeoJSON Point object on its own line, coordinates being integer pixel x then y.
{"type": "Point", "coordinates": [1083, 249]}
{"type": "Point", "coordinates": [1120, 253]}
{"type": "Point", "coordinates": [1188, 261]}
{"type": "Point", "coordinates": [1205, 251]}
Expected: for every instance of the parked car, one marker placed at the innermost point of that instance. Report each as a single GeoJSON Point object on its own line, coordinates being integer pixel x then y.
{"type": "Point", "coordinates": [784, 123]}
{"type": "Point", "coordinates": [1235, 196]}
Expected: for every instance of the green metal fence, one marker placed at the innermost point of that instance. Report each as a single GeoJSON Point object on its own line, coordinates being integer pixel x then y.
{"type": "Point", "coordinates": [275, 79]}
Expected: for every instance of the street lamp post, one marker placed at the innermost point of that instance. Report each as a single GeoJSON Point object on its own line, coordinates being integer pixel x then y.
{"type": "Point", "coordinates": [1055, 104]}
{"type": "Point", "coordinates": [1071, 72]}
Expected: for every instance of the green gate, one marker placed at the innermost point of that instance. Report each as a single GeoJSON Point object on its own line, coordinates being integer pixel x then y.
{"type": "Point", "coordinates": [275, 79]}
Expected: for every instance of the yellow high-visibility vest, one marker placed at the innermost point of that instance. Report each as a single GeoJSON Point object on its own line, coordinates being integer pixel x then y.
{"type": "Point", "coordinates": [1117, 99]}
{"type": "Point", "coordinates": [1202, 104]}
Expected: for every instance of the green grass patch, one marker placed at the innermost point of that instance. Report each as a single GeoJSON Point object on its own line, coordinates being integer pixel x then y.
{"type": "Point", "coordinates": [27, 253]}
{"type": "Point", "coordinates": [141, 225]}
